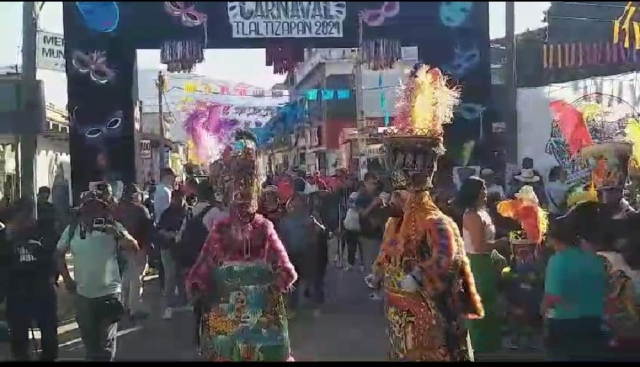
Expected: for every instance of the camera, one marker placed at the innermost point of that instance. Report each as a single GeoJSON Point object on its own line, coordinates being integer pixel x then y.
{"type": "Point", "coordinates": [99, 223]}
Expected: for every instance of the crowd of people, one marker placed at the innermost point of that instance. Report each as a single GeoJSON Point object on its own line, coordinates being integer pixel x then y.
{"type": "Point", "coordinates": [458, 270]}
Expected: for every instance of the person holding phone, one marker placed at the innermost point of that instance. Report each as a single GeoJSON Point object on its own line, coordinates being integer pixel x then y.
{"type": "Point", "coordinates": [95, 240]}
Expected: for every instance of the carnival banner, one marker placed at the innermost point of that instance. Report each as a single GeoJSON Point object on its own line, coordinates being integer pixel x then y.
{"type": "Point", "coordinates": [579, 55]}
{"type": "Point", "coordinates": [286, 19]}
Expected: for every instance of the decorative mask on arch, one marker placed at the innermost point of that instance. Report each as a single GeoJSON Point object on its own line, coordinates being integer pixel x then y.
{"type": "Point", "coordinates": [93, 64]}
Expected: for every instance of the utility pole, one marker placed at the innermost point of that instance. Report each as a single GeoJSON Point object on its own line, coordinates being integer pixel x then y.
{"type": "Point", "coordinates": [28, 139]}
{"type": "Point", "coordinates": [511, 84]}
{"type": "Point", "coordinates": [360, 119]}
{"type": "Point", "coordinates": [160, 83]}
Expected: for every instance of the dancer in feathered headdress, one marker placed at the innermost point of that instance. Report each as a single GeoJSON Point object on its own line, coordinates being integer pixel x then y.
{"type": "Point", "coordinates": [242, 272]}
{"type": "Point", "coordinates": [524, 275]}
{"type": "Point", "coordinates": [422, 261]}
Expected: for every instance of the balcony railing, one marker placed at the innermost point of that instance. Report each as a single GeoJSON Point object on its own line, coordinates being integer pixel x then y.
{"type": "Point", "coordinates": [321, 55]}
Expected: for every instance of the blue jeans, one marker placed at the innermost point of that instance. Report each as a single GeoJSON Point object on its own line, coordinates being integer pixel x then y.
{"type": "Point", "coordinates": [173, 280]}
{"type": "Point", "coordinates": [97, 334]}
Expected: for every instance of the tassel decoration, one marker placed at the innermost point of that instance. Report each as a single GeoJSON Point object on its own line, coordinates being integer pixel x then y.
{"type": "Point", "coordinates": [181, 56]}
{"type": "Point", "coordinates": [283, 57]}
{"type": "Point", "coordinates": [381, 54]}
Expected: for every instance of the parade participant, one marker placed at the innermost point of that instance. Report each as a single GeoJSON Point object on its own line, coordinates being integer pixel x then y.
{"type": "Point", "coordinates": [609, 170]}
{"type": "Point", "coordinates": [574, 294]}
{"type": "Point", "coordinates": [525, 275]}
{"type": "Point", "coordinates": [95, 241]}
{"type": "Point", "coordinates": [478, 233]}
{"type": "Point", "coordinates": [238, 281]}
{"type": "Point", "coordinates": [270, 206]}
{"type": "Point", "coordinates": [26, 254]}
{"type": "Point", "coordinates": [425, 273]}
{"type": "Point", "coordinates": [168, 229]}
{"type": "Point", "coordinates": [137, 221]}
{"type": "Point", "coordinates": [610, 229]}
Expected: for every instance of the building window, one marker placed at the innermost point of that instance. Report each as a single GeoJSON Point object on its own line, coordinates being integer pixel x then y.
{"type": "Point", "coordinates": [322, 160]}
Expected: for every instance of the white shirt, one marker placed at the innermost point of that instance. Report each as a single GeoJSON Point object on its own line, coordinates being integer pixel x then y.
{"type": "Point", "coordinates": [161, 200]}
{"type": "Point", "coordinates": [556, 192]}
{"type": "Point", "coordinates": [496, 189]}
{"type": "Point", "coordinates": [489, 231]}
{"type": "Point", "coordinates": [212, 217]}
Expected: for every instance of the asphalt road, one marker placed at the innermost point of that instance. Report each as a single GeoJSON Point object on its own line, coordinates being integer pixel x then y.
{"type": "Point", "coordinates": [350, 327]}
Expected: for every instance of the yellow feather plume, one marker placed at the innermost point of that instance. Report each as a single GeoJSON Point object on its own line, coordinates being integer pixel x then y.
{"type": "Point", "coordinates": [425, 103]}
{"type": "Point", "coordinates": [633, 136]}
{"type": "Point", "coordinates": [433, 102]}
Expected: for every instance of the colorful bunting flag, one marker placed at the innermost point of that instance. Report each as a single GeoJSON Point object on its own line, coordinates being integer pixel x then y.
{"type": "Point", "coordinates": [312, 94]}
{"type": "Point", "coordinates": [344, 94]}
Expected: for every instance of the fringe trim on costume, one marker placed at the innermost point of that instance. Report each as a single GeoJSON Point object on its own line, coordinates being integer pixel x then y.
{"type": "Point", "coordinates": [471, 307]}
{"type": "Point", "coordinates": [182, 56]}
{"type": "Point", "coordinates": [467, 302]}
{"type": "Point", "coordinates": [381, 54]}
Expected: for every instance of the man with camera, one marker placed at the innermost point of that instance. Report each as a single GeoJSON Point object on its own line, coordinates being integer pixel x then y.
{"type": "Point", "coordinates": [27, 257]}
{"type": "Point", "coordinates": [95, 240]}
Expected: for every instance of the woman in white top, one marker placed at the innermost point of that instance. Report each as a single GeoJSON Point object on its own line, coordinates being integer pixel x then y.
{"type": "Point", "coordinates": [478, 233]}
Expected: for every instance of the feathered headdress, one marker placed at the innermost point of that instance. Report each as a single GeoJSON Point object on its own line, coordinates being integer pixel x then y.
{"type": "Point", "coordinates": [525, 209]}
{"type": "Point", "coordinates": [609, 163]}
{"type": "Point", "coordinates": [414, 142]}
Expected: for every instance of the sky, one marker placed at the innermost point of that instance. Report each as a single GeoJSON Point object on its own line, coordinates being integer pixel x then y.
{"type": "Point", "coordinates": [246, 66]}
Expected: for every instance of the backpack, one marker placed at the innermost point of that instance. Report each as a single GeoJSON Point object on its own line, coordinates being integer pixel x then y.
{"type": "Point", "coordinates": [193, 238]}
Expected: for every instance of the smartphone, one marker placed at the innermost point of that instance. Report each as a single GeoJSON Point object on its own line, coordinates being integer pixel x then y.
{"type": "Point", "coordinates": [99, 223]}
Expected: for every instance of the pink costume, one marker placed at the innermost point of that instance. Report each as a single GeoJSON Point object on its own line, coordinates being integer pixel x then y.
{"type": "Point", "coordinates": [241, 274]}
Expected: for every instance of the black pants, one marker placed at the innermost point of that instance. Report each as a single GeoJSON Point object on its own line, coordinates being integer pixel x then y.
{"type": "Point", "coordinates": [351, 239]}
{"type": "Point", "coordinates": [98, 333]}
{"type": "Point", "coordinates": [575, 340]}
{"type": "Point", "coordinates": [37, 309]}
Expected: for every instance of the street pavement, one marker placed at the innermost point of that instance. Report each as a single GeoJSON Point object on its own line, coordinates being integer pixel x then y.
{"type": "Point", "coordinates": [350, 327]}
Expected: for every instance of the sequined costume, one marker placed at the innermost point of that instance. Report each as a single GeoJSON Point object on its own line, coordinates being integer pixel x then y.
{"type": "Point", "coordinates": [424, 246]}
{"type": "Point", "coordinates": [240, 277]}
{"type": "Point", "coordinates": [525, 275]}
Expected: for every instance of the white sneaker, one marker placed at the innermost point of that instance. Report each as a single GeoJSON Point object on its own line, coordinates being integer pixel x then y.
{"type": "Point", "coordinates": [375, 296]}
{"type": "Point", "coordinates": [168, 313]}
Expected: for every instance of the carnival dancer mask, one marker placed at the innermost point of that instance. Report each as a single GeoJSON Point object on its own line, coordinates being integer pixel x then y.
{"type": "Point", "coordinates": [244, 177]}
{"type": "Point", "coordinates": [415, 141]}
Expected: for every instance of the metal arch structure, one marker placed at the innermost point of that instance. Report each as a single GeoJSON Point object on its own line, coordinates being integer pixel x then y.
{"type": "Point", "coordinates": [101, 39]}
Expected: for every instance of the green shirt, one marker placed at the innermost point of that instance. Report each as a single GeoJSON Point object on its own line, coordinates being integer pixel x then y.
{"type": "Point", "coordinates": [95, 261]}
{"type": "Point", "coordinates": [578, 278]}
